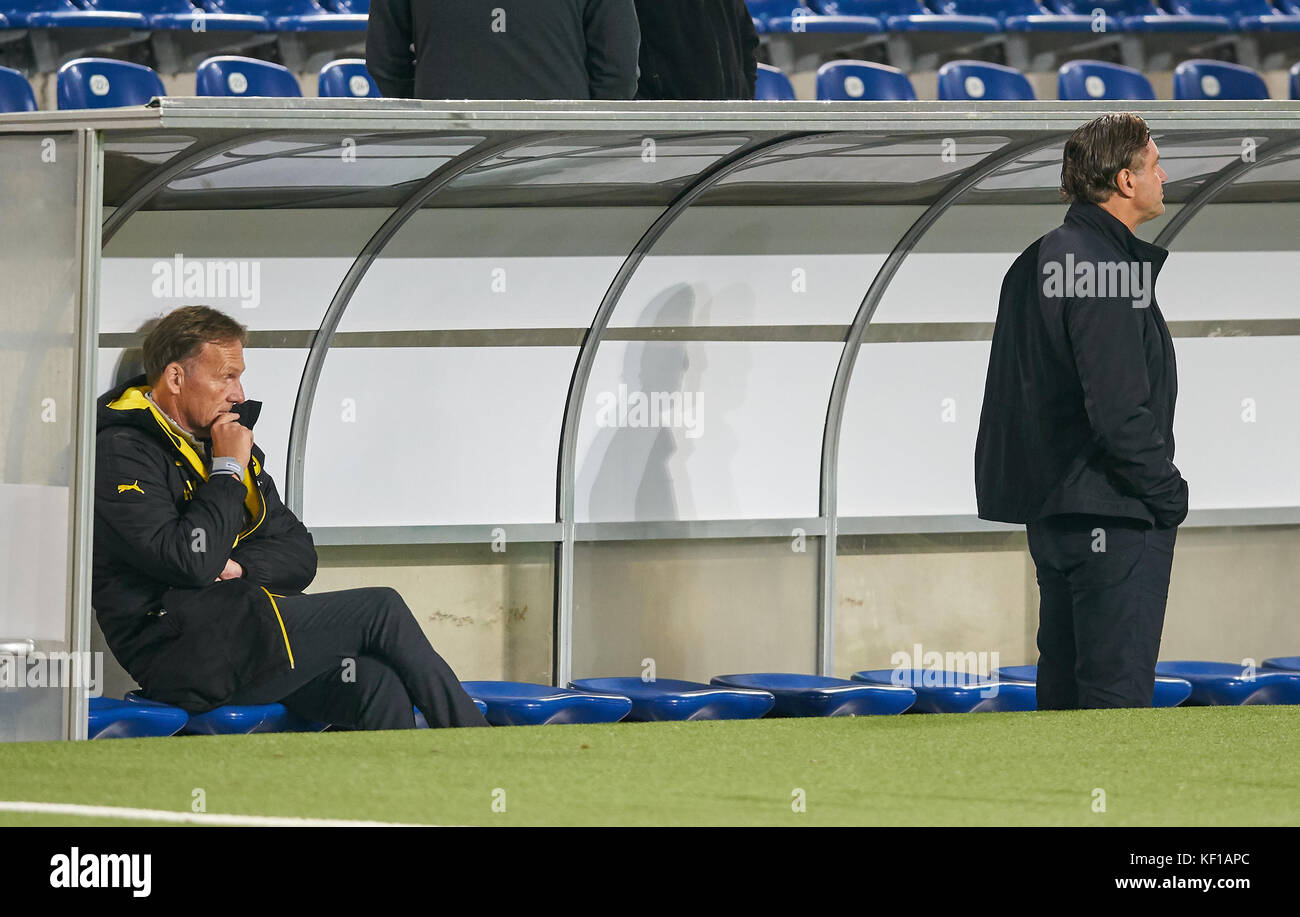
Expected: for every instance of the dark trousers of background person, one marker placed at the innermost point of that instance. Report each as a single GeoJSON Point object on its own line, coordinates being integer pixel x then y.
{"type": "Point", "coordinates": [361, 661]}
{"type": "Point", "coordinates": [1101, 611]}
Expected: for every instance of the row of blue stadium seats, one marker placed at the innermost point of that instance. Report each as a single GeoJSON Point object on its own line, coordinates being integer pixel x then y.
{"type": "Point", "coordinates": [608, 700]}
{"type": "Point", "coordinates": [769, 15]}
{"type": "Point", "coordinates": [215, 15]}
{"type": "Point", "coordinates": [103, 83]}
{"type": "Point", "coordinates": [974, 81]}
{"type": "Point", "coordinates": [794, 16]}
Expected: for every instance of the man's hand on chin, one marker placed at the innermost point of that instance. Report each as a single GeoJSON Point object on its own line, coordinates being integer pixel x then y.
{"type": "Point", "coordinates": [232, 571]}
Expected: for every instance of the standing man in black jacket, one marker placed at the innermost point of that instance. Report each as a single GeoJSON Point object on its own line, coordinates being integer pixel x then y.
{"type": "Point", "coordinates": [199, 568]}
{"type": "Point", "coordinates": [697, 49]}
{"type": "Point", "coordinates": [503, 49]}
{"type": "Point", "coordinates": [1076, 433]}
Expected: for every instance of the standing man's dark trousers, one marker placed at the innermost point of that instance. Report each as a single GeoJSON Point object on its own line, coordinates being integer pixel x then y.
{"type": "Point", "coordinates": [1101, 611]}
{"type": "Point", "coordinates": [361, 661]}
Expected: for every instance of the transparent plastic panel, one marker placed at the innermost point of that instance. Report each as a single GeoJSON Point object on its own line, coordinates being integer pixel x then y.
{"type": "Point", "coordinates": [38, 410]}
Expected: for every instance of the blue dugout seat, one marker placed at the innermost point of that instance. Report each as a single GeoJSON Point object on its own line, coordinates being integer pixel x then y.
{"type": "Point", "coordinates": [940, 691]}
{"type": "Point", "coordinates": [238, 719]}
{"type": "Point", "coordinates": [347, 79]}
{"type": "Point", "coordinates": [1211, 79]}
{"type": "Point", "coordinates": [1285, 663]}
{"type": "Point", "coordinates": [1226, 683]}
{"type": "Point", "coordinates": [229, 75]}
{"type": "Point", "coordinates": [1090, 80]}
{"type": "Point", "coordinates": [818, 695]}
{"type": "Point", "coordinates": [974, 81]}
{"type": "Point", "coordinates": [772, 85]}
{"type": "Point", "coordinates": [515, 703]}
{"type": "Point", "coordinates": [15, 92]}
{"type": "Point", "coordinates": [97, 82]}
{"type": "Point", "coordinates": [856, 81]}
{"type": "Point", "coordinates": [674, 699]}
{"type": "Point", "coordinates": [1169, 692]}
{"type": "Point", "coordinates": [119, 719]}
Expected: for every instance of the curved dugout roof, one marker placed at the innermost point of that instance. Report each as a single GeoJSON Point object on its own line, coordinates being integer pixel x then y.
{"type": "Point", "coordinates": [657, 160]}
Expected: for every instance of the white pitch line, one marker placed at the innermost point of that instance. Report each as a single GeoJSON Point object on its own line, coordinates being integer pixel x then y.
{"type": "Point", "coordinates": [195, 818]}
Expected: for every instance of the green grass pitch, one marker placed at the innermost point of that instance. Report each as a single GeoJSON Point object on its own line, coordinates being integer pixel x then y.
{"type": "Point", "coordinates": [1181, 766]}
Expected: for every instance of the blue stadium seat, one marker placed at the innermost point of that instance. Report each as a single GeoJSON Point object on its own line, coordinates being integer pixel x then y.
{"type": "Point", "coordinates": [1141, 16]}
{"type": "Point", "coordinates": [1295, 81]}
{"type": "Point", "coordinates": [955, 692]}
{"type": "Point", "coordinates": [64, 14]}
{"type": "Point", "coordinates": [974, 81]}
{"type": "Point", "coordinates": [1016, 15]}
{"type": "Point", "coordinates": [97, 82]}
{"type": "Point", "coordinates": [1091, 80]}
{"type": "Point", "coordinates": [245, 76]}
{"type": "Point", "coordinates": [818, 695]}
{"type": "Point", "coordinates": [1245, 15]}
{"type": "Point", "coordinates": [516, 703]}
{"type": "Point", "coordinates": [422, 723]}
{"type": "Point", "coordinates": [796, 16]}
{"type": "Point", "coordinates": [347, 79]}
{"type": "Point", "coordinates": [1219, 683]}
{"type": "Point", "coordinates": [1169, 692]}
{"type": "Point", "coordinates": [180, 14]}
{"type": "Point", "coordinates": [238, 719]}
{"type": "Point", "coordinates": [15, 92]}
{"type": "Point", "coordinates": [909, 16]}
{"type": "Point", "coordinates": [857, 81]}
{"type": "Point", "coordinates": [118, 719]}
{"type": "Point", "coordinates": [293, 15]}
{"type": "Point", "coordinates": [1285, 663]}
{"type": "Point", "coordinates": [773, 85]}
{"type": "Point", "coordinates": [674, 699]}
{"type": "Point", "coordinates": [1211, 79]}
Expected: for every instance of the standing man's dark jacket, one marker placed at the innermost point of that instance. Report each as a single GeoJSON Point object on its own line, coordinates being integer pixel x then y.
{"type": "Point", "coordinates": [697, 49]}
{"type": "Point", "coordinates": [164, 530]}
{"type": "Point", "coordinates": [1079, 401]}
{"type": "Point", "coordinates": [503, 49]}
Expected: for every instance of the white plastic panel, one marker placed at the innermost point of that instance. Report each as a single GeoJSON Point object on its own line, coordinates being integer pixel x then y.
{"type": "Point", "coordinates": [740, 437]}
{"type": "Point", "coordinates": [436, 436]}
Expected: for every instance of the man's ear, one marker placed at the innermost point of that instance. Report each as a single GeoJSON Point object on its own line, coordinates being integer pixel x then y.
{"type": "Point", "coordinates": [172, 377]}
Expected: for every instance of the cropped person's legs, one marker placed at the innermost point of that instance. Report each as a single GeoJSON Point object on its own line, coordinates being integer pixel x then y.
{"type": "Point", "coordinates": [1056, 689]}
{"type": "Point", "coordinates": [360, 693]}
{"type": "Point", "coordinates": [329, 629]}
{"type": "Point", "coordinates": [1119, 616]}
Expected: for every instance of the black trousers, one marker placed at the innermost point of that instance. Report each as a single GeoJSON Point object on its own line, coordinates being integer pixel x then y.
{"type": "Point", "coordinates": [361, 661]}
{"type": "Point", "coordinates": [1103, 583]}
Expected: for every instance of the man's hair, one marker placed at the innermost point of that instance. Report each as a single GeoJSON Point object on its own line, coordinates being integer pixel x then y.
{"type": "Point", "coordinates": [180, 336]}
{"type": "Point", "coordinates": [1097, 152]}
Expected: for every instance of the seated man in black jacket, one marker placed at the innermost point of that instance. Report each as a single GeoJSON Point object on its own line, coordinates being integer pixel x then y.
{"type": "Point", "coordinates": [1076, 434]}
{"type": "Point", "coordinates": [199, 568]}
{"type": "Point", "coordinates": [503, 49]}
